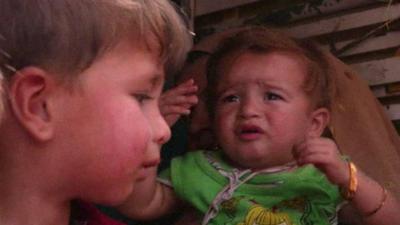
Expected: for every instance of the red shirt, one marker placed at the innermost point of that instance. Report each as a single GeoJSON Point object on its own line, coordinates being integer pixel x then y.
{"type": "Point", "coordinates": [84, 213]}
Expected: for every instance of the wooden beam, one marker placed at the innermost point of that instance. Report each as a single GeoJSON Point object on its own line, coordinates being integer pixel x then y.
{"type": "Point", "coordinates": [380, 91]}
{"type": "Point", "coordinates": [393, 111]}
{"type": "Point", "coordinates": [326, 7]}
{"type": "Point", "coordinates": [345, 22]}
{"type": "Point", "coordinates": [390, 40]}
{"type": "Point", "coordinates": [209, 6]}
{"type": "Point", "coordinates": [379, 72]}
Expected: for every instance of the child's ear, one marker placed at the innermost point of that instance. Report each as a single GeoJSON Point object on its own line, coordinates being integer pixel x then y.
{"type": "Point", "coordinates": [29, 93]}
{"type": "Point", "coordinates": [319, 120]}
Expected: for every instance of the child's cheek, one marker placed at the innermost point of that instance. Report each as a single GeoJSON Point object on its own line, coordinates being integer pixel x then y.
{"type": "Point", "coordinates": [127, 135]}
{"type": "Point", "coordinates": [137, 141]}
{"type": "Point", "coordinates": [140, 144]}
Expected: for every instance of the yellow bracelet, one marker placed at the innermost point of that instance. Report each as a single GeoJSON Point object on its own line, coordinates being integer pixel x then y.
{"type": "Point", "coordinates": [383, 200]}
{"type": "Point", "coordinates": [349, 193]}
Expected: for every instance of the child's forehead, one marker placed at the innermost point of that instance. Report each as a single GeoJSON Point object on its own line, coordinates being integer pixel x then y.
{"type": "Point", "coordinates": [273, 74]}
{"type": "Point", "coordinates": [250, 83]}
{"type": "Point", "coordinates": [237, 56]}
{"type": "Point", "coordinates": [230, 62]}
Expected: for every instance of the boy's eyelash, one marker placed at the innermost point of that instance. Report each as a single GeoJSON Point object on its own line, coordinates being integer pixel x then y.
{"type": "Point", "coordinates": [140, 97]}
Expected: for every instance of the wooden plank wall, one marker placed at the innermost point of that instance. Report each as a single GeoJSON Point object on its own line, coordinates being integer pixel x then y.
{"type": "Point", "coordinates": [363, 33]}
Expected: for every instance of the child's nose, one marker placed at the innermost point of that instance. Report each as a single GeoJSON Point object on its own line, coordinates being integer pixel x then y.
{"type": "Point", "coordinates": [249, 108]}
{"type": "Point", "coordinates": [162, 132]}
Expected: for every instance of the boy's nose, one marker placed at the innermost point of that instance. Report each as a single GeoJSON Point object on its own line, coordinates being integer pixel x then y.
{"type": "Point", "coordinates": [162, 132]}
{"type": "Point", "coordinates": [249, 108]}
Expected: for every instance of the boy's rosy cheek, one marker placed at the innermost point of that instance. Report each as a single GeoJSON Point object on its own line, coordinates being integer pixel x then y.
{"type": "Point", "coordinates": [128, 142]}
{"type": "Point", "coordinates": [138, 145]}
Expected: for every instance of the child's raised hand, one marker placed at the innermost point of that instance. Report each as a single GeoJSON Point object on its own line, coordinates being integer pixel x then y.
{"type": "Point", "coordinates": [324, 155]}
{"type": "Point", "coordinates": [177, 101]}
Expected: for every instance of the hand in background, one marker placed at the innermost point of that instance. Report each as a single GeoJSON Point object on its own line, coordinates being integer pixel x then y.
{"type": "Point", "coordinates": [177, 101]}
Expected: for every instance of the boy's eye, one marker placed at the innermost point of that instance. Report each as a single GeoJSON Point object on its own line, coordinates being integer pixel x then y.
{"type": "Point", "coordinates": [230, 98]}
{"type": "Point", "coordinates": [141, 98]}
{"type": "Point", "coordinates": [272, 96]}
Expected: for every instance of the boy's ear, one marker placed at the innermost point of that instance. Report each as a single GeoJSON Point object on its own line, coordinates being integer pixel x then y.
{"type": "Point", "coordinates": [319, 120]}
{"type": "Point", "coordinates": [29, 93]}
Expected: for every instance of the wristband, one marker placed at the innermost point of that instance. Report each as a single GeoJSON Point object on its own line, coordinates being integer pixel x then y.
{"type": "Point", "coordinates": [349, 192]}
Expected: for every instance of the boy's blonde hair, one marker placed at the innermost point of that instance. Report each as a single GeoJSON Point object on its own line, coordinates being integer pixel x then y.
{"type": "Point", "coordinates": [66, 36]}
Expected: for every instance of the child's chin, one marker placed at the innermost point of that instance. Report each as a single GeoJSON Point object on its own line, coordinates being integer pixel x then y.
{"type": "Point", "coordinates": [142, 174]}
{"type": "Point", "coordinates": [140, 179]}
{"type": "Point", "coordinates": [118, 198]}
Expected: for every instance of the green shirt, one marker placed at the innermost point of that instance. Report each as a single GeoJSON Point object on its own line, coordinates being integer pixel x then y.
{"type": "Point", "coordinates": [291, 196]}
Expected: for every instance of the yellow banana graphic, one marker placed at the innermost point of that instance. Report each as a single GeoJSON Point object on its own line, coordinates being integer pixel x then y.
{"type": "Point", "coordinates": [259, 215]}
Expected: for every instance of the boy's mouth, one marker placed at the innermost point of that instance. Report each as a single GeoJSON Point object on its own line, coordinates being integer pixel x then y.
{"type": "Point", "coordinates": [145, 169]}
{"type": "Point", "coordinates": [249, 132]}
{"type": "Point", "coordinates": [152, 163]}
{"type": "Point", "coordinates": [142, 173]}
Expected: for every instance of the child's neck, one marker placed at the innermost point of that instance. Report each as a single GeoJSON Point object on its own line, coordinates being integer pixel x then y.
{"type": "Point", "coordinates": [21, 210]}
{"type": "Point", "coordinates": [24, 198]}
{"type": "Point", "coordinates": [232, 163]}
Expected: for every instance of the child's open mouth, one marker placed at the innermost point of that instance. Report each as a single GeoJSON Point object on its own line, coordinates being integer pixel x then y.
{"type": "Point", "coordinates": [249, 132]}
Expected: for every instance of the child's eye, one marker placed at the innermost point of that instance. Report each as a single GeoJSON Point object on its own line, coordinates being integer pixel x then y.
{"type": "Point", "coordinates": [272, 96]}
{"type": "Point", "coordinates": [230, 98]}
{"type": "Point", "coordinates": [141, 98]}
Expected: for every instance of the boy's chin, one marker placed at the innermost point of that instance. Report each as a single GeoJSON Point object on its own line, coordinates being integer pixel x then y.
{"type": "Point", "coordinates": [114, 196]}
{"type": "Point", "coordinates": [142, 174]}
{"type": "Point", "coordinates": [117, 199]}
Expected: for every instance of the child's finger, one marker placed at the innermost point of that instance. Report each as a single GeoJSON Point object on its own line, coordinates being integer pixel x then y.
{"type": "Point", "coordinates": [180, 100]}
{"type": "Point", "coordinates": [179, 91]}
{"type": "Point", "coordinates": [186, 87]}
{"type": "Point", "coordinates": [186, 90]}
{"type": "Point", "coordinates": [316, 143]}
{"type": "Point", "coordinates": [328, 152]}
{"type": "Point", "coordinates": [313, 156]}
{"type": "Point", "coordinates": [307, 156]}
{"type": "Point", "coordinates": [187, 100]}
{"type": "Point", "coordinates": [334, 168]}
{"type": "Point", "coordinates": [170, 95]}
{"type": "Point", "coordinates": [191, 100]}
{"type": "Point", "coordinates": [312, 146]}
{"type": "Point", "coordinates": [175, 109]}
{"type": "Point", "coordinates": [188, 82]}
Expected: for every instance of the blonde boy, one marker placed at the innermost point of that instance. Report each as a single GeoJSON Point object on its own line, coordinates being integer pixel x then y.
{"type": "Point", "coordinates": [82, 79]}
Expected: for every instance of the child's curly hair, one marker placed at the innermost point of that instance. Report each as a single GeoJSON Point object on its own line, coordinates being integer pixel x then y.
{"type": "Point", "coordinates": [317, 85]}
